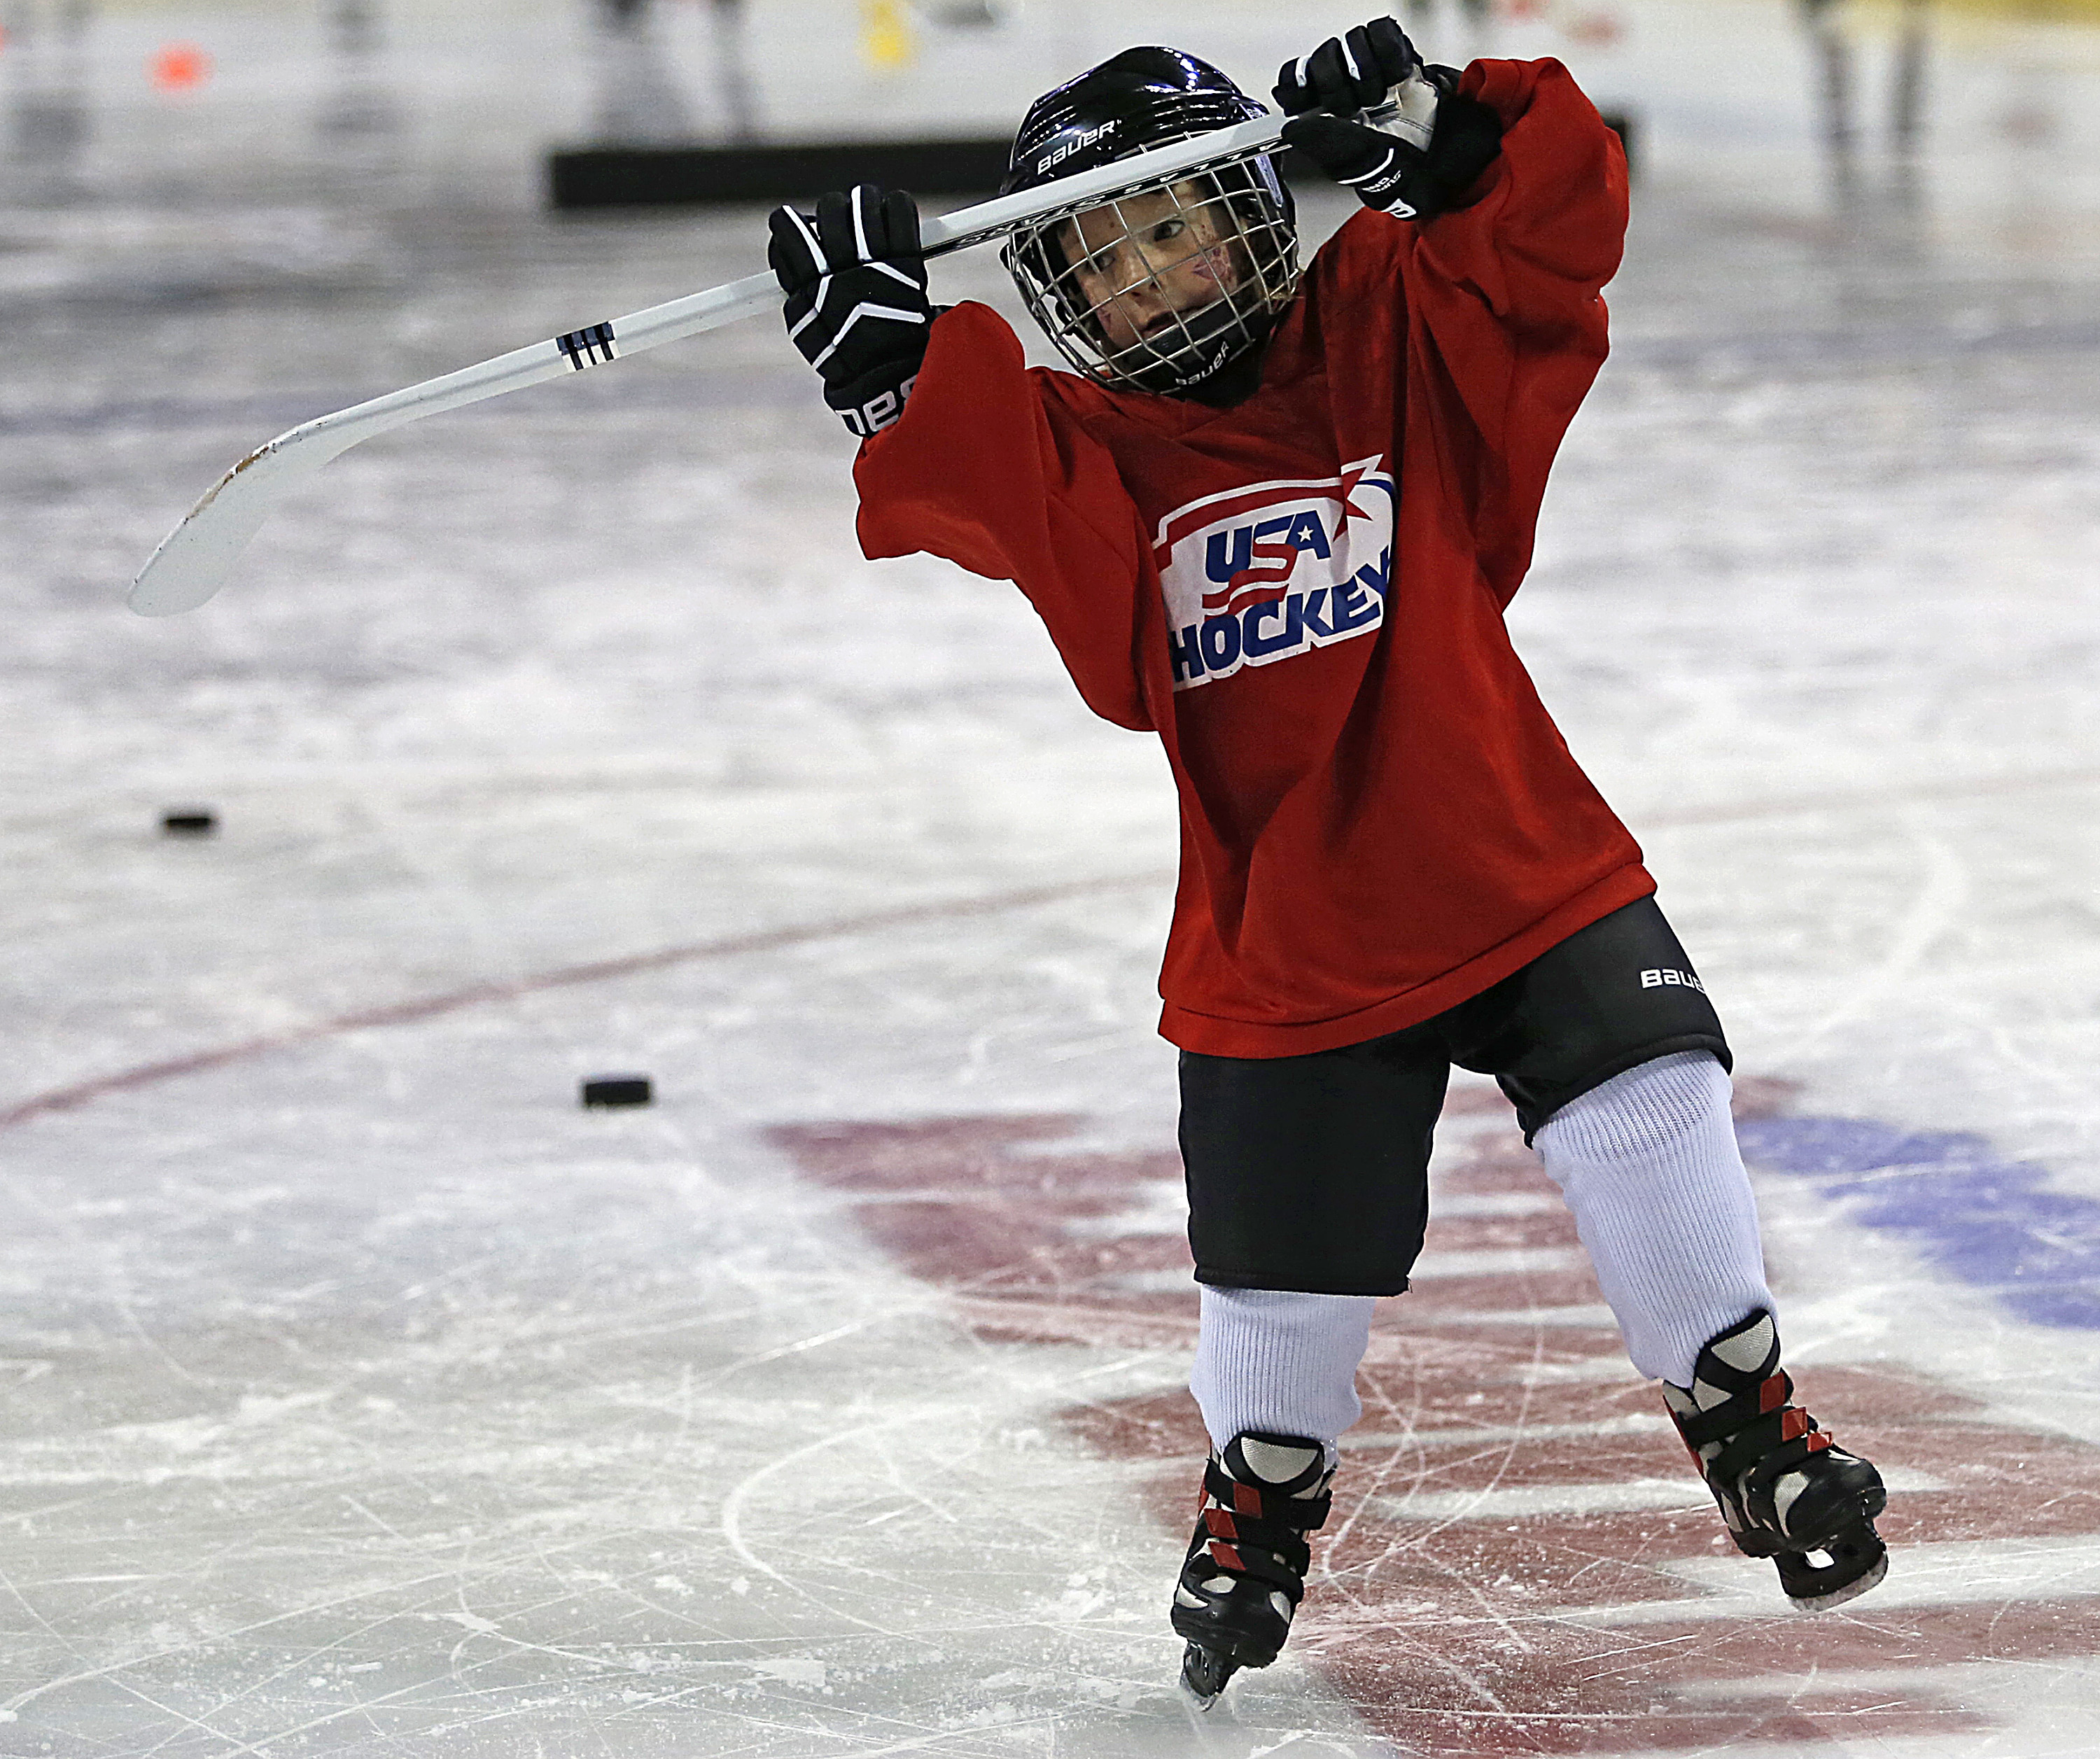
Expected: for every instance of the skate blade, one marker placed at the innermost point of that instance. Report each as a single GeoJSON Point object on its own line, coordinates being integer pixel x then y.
{"type": "Point", "coordinates": [1850, 1591]}
{"type": "Point", "coordinates": [1205, 1675]}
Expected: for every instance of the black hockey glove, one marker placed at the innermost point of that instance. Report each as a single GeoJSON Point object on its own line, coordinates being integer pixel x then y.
{"type": "Point", "coordinates": [1346, 74]}
{"type": "Point", "coordinates": [856, 285]}
{"type": "Point", "coordinates": [1425, 160]}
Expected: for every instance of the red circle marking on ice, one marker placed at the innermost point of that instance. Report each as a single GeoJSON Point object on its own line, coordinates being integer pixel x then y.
{"type": "Point", "coordinates": [179, 66]}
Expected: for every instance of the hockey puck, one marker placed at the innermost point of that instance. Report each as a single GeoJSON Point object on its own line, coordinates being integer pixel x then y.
{"type": "Point", "coordinates": [189, 822]}
{"type": "Point", "coordinates": [617, 1090]}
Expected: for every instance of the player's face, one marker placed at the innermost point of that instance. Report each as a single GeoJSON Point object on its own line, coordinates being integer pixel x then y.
{"type": "Point", "coordinates": [1141, 261]}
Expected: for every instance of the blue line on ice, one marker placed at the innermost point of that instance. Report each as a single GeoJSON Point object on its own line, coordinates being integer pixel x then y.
{"type": "Point", "coordinates": [1987, 1221]}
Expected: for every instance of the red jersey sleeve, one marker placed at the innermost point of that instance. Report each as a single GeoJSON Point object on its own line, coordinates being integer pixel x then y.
{"type": "Point", "coordinates": [982, 470]}
{"type": "Point", "coordinates": [1505, 315]}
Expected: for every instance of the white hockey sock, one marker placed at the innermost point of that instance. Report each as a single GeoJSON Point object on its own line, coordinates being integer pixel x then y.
{"type": "Point", "coordinates": [1270, 1360]}
{"type": "Point", "coordinates": [1648, 1164]}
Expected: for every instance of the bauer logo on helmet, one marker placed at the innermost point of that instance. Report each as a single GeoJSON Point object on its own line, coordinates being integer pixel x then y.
{"type": "Point", "coordinates": [1078, 142]}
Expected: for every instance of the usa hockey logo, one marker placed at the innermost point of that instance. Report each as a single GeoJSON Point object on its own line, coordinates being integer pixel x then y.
{"type": "Point", "coordinates": [1274, 570]}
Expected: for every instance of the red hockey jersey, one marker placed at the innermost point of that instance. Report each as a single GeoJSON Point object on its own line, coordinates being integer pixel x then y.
{"type": "Point", "coordinates": [1303, 595]}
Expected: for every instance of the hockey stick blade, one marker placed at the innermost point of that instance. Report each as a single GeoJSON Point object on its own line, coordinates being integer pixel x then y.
{"type": "Point", "coordinates": [195, 559]}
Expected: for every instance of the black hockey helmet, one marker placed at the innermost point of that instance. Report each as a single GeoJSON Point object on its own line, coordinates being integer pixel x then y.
{"type": "Point", "coordinates": [1162, 286]}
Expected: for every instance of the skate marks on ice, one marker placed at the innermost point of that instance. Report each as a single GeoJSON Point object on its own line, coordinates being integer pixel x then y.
{"type": "Point", "coordinates": [477, 1467]}
{"type": "Point", "coordinates": [1521, 1560]}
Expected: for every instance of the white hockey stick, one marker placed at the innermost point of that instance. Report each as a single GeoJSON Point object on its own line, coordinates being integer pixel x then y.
{"type": "Point", "coordinates": [194, 559]}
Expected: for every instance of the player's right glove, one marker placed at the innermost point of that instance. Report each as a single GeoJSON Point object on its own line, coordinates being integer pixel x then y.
{"type": "Point", "coordinates": [1393, 170]}
{"type": "Point", "coordinates": [1346, 74]}
{"type": "Point", "coordinates": [855, 280]}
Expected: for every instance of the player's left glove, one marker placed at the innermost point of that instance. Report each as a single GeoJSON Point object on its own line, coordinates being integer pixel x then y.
{"type": "Point", "coordinates": [1424, 159]}
{"type": "Point", "coordinates": [855, 280]}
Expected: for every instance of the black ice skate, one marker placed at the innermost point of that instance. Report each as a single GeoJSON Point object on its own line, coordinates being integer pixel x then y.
{"type": "Point", "coordinates": [1786, 1491]}
{"type": "Point", "coordinates": [1245, 1572]}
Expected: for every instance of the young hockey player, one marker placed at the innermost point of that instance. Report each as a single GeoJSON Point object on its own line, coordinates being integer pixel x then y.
{"type": "Point", "coordinates": [1276, 521]}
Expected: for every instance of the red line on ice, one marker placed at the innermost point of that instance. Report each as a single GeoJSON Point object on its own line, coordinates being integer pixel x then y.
{"type": "Point", "coordinates": [420, 1008]}
{"type": "Point", "coordinates": [407, 1012]}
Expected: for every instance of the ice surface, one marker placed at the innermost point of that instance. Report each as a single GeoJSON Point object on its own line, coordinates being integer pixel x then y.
{"type": "Point", "coordinates": [364, 1395]}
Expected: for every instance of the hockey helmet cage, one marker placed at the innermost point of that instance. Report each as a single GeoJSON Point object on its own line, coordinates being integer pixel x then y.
{"type": "Point", "coordinates": [1159, 288]}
